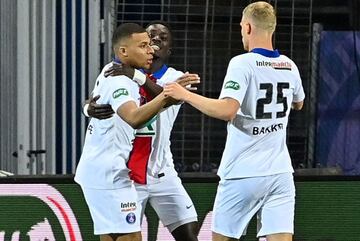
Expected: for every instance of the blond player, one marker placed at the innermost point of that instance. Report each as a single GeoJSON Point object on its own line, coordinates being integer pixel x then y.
{"type": "Point", "coordinates": [258, 91]}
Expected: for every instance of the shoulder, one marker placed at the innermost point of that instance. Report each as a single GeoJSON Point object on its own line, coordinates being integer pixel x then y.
{"type": "Point", "coordinates": [171, 75]}
{"type": "Point", "coordinates": [116, 83]}
{"type": "Point", "coordinates": [242, 62]}
{"type": "Point", "coordinates": [293, 66]}
{"type": "Point", "coordinates": [242, 59]}
{"type": "Point", "coordinates": [173, 72]}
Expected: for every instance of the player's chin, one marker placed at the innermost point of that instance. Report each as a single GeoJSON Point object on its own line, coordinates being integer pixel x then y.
{"type": "Point", "coordinates": [147, 65]}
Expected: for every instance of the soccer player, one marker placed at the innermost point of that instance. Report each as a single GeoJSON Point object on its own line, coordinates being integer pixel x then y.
{"type": "Point", "coordinates": [255, 170]}
{"type": "Point", "coordinates": [102, 172]}
{"type": "Point", "coordinates": [151, 162]}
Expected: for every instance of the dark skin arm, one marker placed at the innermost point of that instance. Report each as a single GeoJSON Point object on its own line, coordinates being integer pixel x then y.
{"type": "Point", "coordinates": [104, 111]}
{"type": "Point", "coordinates": [98, 111]}
{"type": "Point", "coordinates": [121, 69]}
{"type": "Point", "coordinates": [150, 86]}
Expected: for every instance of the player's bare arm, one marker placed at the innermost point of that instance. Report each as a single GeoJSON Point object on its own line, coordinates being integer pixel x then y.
{"type": "Point", "coordinates": [223, 109]}
{"type": "Point", "coordinates": [186, 80]}
{"type": "Point", "coordinates": [137, 116]}
{"type": "Point", "coordinates": [122, 69]}
{"type": "Point", "coordinates": [98, 111]}
{"type": "Point", "coordinates": [298, 105]}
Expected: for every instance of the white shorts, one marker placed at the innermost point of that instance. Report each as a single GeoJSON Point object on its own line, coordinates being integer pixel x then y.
{"type": "Point", "coordinates": [170, 201]}
{"type": "Point", "coordinates": [113, 210]}
{"type": "Point", "coordinates": [238, 200]}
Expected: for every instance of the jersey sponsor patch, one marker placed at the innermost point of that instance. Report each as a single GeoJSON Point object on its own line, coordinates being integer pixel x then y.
{"type": "Point", "coordinates": [284, 65]}
{"type": "Point", "coordinates": [119, 92]}
{"type": "Point", "coordinates": [232, 85]}
{"type": "Point", "coordinates": [129, 206]}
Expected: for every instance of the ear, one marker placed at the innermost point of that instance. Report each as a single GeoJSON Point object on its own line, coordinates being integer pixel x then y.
{"type": "Point", "coordinates": [123, 51]}
{"type": "Point", "coordinates": [248, 28]}
{"type": "Point", "coordinates": [169, 52]}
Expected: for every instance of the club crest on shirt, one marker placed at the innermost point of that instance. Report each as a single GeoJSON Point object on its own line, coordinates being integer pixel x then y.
{"type": "Point", "coordinates": [231, 85]}
{"type": "Point", "coordinates": [131, 218]}
{"type": "Point", "coordinates": [119, 92]}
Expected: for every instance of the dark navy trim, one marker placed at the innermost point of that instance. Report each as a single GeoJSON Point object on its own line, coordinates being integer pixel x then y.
{"type": "Point", "coordinates": [160, 73]}
{"type": "Point", "coordinates": [267, 53]}
{"type": "Point", "coordinates": [68, 74]}
{"type": "Point", "coordinates": [116, 60]}
{"type": "Point", "coordinates": [79, 60]}
{"type": "Point", "coordinates": [59, 90]}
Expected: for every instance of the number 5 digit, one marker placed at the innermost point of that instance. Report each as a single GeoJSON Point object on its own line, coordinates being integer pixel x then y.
{"type": "Point", "coordinates": [282, 99]}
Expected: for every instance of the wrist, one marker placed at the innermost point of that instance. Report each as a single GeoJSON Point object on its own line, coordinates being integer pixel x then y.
{"type": "Point", "coordinates": [85, 110]}
{"type": "Point", "coordinates": [139, 77]}
{"type": "Point", "coordinates": [187, 96]}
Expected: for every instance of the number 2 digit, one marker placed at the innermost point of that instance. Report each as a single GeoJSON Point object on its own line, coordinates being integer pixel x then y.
{"type": "Point", "coordinates": [260, 113]}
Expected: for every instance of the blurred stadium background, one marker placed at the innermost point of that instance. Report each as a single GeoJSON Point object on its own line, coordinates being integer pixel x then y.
{"type": "Point", "coordinates": [52, 51]}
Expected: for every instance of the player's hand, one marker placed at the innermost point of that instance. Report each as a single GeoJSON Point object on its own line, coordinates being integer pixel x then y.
{"type": "Point", "coordinates": [175, 91]}
{"type": "Point", "coordinates": [187, 80]}
{"type": "Point", "coordinates": [99, 111]}
{"type": "Point", "coordinates": [120, 69]}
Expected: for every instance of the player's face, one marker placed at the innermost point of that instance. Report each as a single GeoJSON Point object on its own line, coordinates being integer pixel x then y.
{"type": "Point", "coordinates": [139, 52]}
{"type": "Point", "coordinates": [244, 30]}
{"type": "Point", "coordinates": [161, 37]}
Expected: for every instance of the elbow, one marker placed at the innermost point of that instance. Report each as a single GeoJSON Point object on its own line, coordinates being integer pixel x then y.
{"type": "Point", "coordinates": [134, 124]}
{"type": "Point", "coordinates": [229, 116]}
{"type": "Point", "coordinates": [132, 121]}
{"type": "Point", "coordinates": [297, 105]}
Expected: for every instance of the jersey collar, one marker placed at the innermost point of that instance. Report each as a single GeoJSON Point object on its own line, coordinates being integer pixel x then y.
{"type": "Point", "coordinates": [267, 53]}
{"type": "Point", "coordinates": [160, 73]}
{"type": "Point", "coordinates": [157, 74]}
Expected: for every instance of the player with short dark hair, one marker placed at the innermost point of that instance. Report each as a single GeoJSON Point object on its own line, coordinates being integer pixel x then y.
{"type": "Point", "coordinates": [102, 172]}
{"type": "Point", "coordinates": [151, 162]}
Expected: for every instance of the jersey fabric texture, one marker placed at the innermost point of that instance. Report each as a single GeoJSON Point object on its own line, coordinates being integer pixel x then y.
{"type": "Point", "coordinates": [151, 157]}
{"type": "Point", "coordinates": [265, 84]}
{"type": "Point", "coordinates": [108, 142]}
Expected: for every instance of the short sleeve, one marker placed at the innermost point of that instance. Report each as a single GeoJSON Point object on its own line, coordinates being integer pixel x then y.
{"type": "Point", "coordinates": [299, 94]}
{"type": "Point", "coordinates": [236, 80]}
{"type": "Point", "coordinates": [120, 90]}
{"type": "Point", "coordinates": [170, 76]}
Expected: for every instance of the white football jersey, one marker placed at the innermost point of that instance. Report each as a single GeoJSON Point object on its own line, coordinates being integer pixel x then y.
{"type": "Point", "coordinates": [151, 157]}
{"type": "Point", "coordinates": [161, 159]}
{"type": "Point", "coordinates": [108, 142]}
{"type": "Point", "coordinates": [265, 84]}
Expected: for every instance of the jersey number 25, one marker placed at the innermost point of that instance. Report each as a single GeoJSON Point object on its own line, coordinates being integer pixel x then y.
{"type": "Point", "coordinates": [260, 113]}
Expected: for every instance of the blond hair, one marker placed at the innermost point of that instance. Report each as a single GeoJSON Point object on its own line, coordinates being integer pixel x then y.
{"type": "Point", "coordinates": [262, 14]}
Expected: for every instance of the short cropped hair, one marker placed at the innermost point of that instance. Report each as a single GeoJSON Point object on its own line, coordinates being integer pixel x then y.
{"type": "Point", "coordinates": [124, 31]}
{"type": "Point", "coordinates": [167, 25]}
{"type": "Point", "coordinates": [262, 14]}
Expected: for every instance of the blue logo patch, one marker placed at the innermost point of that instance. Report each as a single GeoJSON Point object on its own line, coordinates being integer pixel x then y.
{"type": "Point", "coordinates": [131, 218]}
